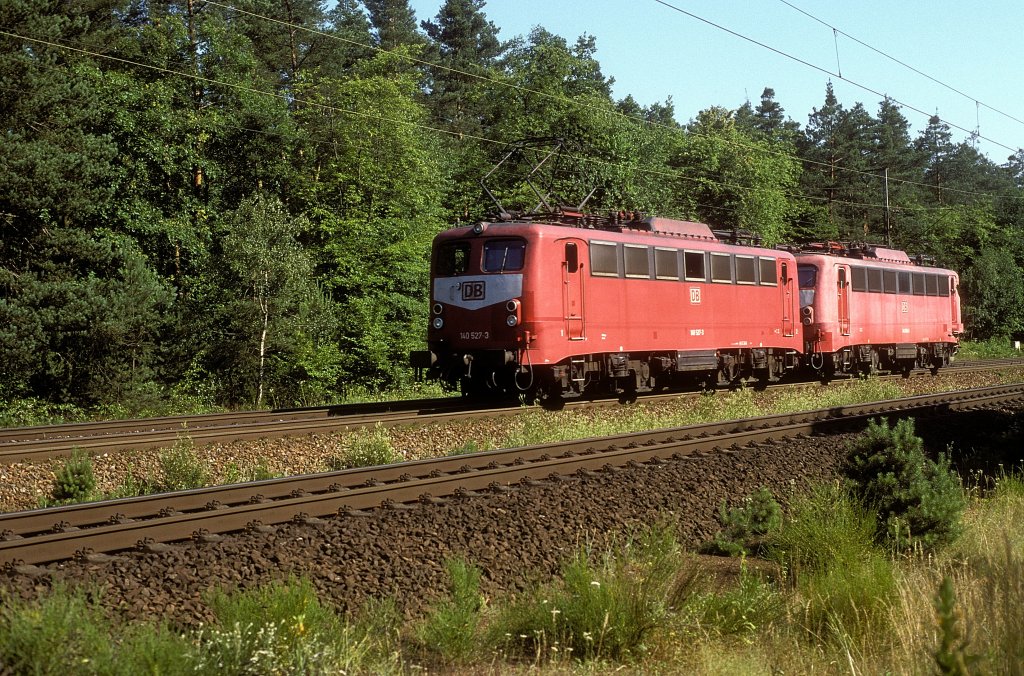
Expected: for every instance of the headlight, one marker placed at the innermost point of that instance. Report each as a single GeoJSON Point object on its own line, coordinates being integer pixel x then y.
{"type": "Point", "coordinates": [437, 323]}
{"type": "Point", "coordinates": [438, 308]}
{"type": "Point", "coordinates": [512, 320]}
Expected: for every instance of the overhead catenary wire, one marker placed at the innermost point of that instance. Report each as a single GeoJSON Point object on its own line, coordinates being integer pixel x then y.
{"type": "Point", "coordinates": [830, 73]}
{"type": "Point", "coordinates": [902, 63]}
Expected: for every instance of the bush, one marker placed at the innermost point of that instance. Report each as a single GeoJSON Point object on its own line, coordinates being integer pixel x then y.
{"type": "Point", "coordinates": [75, 481]}
{"type": "Point", "coordinates": [745, 528]}
{"type": "Point", "coordinates": [280, 628]}
{"type": "Point", "coordinates": [919, 502]}
{"type": "Point", "coordinates": [827, 545]}
{"type": "Point", "coordinates": [604, 612]}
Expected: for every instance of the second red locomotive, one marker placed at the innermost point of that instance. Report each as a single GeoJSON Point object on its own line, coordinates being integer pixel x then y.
{"type": "Point", "coordinates": [867, 308]}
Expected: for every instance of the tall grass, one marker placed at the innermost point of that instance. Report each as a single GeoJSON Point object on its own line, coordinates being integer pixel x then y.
{"type": "Point", "coordinates": [999, 347]}
{"type": "Point", "coordinates": [452, 628]}
{"type": "Point", "coordinates": [278, 629]}
{"type": "Point", "coordinates": [845, 584]}
{"type": "Point", "coordinates": [605, 610]}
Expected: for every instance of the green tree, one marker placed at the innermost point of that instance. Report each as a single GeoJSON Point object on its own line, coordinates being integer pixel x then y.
{"type": "Point", "coordinates": [394, 23]}
{"type": "Point", "coordinates": [918, 501]}
{"type": "Point", "coordinates": [375, 206]}
{"type": "Point", "coordinates": [993, 294]}
{"type": "Point", "coordinates": [268, 277]}
{"type": "Point", "coordinates": [731, 180]}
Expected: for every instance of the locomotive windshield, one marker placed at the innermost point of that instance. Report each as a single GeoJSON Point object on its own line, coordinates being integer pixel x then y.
{"type": "Point", "coordinates": [504, 254]}
{"type": "Point", "coordinates": [808, 277]}
{"type": "Point", "coordinates": [452, 259]}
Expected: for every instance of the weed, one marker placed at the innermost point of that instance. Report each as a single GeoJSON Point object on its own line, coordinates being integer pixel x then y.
{"type": "Point", "coordinates": [181, 467]}
{"type": "Point", "coordinates": [131, 487]}
{"type": "Point", "coordinates": [604, 612]}
{"type": "Point", "coordinates": [748, 607]}
{"type": "Point", "coordinates": [278, 628]}
{"type": "Point", "coordinates": [366, 448]}
{"type": "Point", "coordinates": [827, 545]}
{"type": "Point", "coordinates": [452, 628]}
{"type": "Point", "coordinates": [951, 656]}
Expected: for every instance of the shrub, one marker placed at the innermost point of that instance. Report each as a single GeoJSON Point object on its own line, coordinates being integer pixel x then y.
{"type": "Point", "coordinates": [31, 632]}
{"type": "Point", "coordinates": [452, 628]}
{"type": "Point", "coordinates": [745, 527]}
{"type": "Point", "coordinates": [75, 481]}
{"type": "Point", "coordinates": [919, 502]}
{"type": "Point", "coordinates": [278, 628]}
{"type": "Point", "coordinates": [827, 545]}
{"type": "Point", "coordinates": [182, 469]}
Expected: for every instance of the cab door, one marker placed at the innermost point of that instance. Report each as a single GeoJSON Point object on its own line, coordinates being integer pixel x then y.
{"type": "Point", "coordinates": [788, 298]}
{"type": "Point", "coordinates": [572, 289]}
{"type": "Point", "coordinates": [843, 300]}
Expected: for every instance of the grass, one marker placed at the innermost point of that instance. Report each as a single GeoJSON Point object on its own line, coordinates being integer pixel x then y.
{"type": "Point", "coordinates": [993, 348]}
{"type": "Point", "coordinates": [535, 427]}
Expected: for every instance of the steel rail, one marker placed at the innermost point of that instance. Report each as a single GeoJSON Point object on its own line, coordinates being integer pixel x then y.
{"type": "Point", "coordinates": [133, 522]}
{"type": "Point", "coordinates": [39, 443]}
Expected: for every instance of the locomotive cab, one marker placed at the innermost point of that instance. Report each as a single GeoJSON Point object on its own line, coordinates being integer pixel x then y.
{"type": "Point", "coordinates": [475, 328]}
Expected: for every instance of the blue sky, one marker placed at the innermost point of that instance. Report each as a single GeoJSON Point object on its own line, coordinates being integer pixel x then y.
{"type": "Point", "coordinates": [654, 51]}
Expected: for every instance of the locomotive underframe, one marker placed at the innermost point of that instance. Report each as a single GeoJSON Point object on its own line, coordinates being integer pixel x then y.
{"type": "Point", "coordinates": [863, 360]}
{"type": "Point", "coordinates": [620, 373]}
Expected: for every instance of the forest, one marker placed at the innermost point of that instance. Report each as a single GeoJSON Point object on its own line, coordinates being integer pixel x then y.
{"type": "Point", "coordinates": [231, 205]}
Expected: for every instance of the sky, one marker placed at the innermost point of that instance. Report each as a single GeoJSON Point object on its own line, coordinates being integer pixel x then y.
{"type": "Point", "coordinates": [970, 55]}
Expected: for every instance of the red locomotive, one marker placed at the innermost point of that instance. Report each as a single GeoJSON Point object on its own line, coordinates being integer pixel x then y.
{"type": "Point", "coordinates": [569, 305]}
{"type": "Point", "coordinates": [577, 305]}
{"type": "Point", "coordinates": [868, 308]}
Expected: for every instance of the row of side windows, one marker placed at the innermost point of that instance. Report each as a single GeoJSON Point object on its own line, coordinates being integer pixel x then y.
{"type": "Point", "coordinates": [878, 280]}
{"type": "Point", "coordinates": [637, 261]}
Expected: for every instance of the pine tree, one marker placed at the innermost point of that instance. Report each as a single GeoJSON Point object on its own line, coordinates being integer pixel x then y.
{"type": "Point", "coordinates": [394, 23]}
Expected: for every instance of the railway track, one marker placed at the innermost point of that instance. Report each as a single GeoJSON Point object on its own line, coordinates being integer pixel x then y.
{"type": "Point", "coordinates": [92, 531]}
{"type": "Point", "coordinates": [23, 444]}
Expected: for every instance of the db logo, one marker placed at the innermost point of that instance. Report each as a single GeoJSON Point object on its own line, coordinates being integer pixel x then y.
{"type": "Point", "coordinates": [904, 306]}
{"type": "Point", "coordinates": [695, 295]}
{"type": "Point", "coordinates": [472, 291]}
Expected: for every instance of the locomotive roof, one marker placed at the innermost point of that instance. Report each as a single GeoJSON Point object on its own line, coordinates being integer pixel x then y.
{"type": "Point", "coordinates": [631, 222]}
{"type": "Point", "coordinates": [868, 253]}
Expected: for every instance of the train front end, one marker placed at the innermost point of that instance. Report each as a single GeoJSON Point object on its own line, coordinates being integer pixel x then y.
{"type": "Point", "coordinates": [476, 335]}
